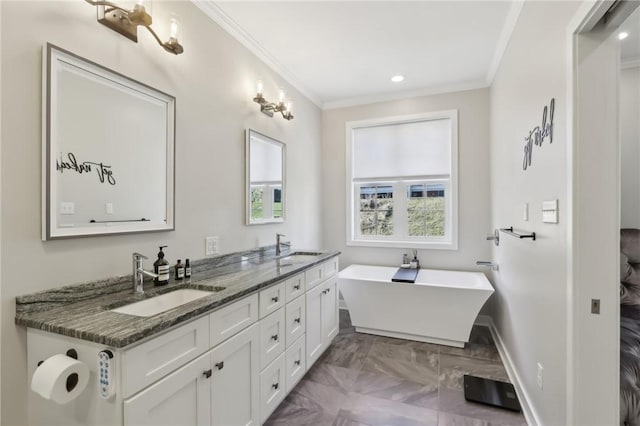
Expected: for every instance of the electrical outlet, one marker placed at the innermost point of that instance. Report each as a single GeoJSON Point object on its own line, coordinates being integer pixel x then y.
{"type": "Point", "coordinates": [67, 207]}
{"type": "Point", "coordinates": [211, 246]}
{"type": "Point", "coordinates": [539, 375]}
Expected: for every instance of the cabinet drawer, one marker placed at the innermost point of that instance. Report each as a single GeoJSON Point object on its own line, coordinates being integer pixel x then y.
{"type": "Point", "coordinates": [314, 276]}
{"type": "Point", "coordinates": [272, 337]}
{"type": "Point", "coordinates": [271, 299]}
{"type": "Point", "coordinates": [150, 361]}
{"type": "Point", "coordinates": [330, 267]}
{"type": "Point", "coordinates": [231, 319]}
{"type": "Point", "coordinates": [295, 362]}
{"type": "Point", "coordinates": [295, 319]}
{"type": "Point", "coordinates": [294, 287]}
{"type": "Point", "coordinates": [272, 387]}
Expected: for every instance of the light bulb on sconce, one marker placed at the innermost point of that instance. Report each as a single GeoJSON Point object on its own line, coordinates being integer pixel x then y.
{"type": "Point", "coordinates": [269, 108]}
{"type": "Point", "coordinates": [126, 22]}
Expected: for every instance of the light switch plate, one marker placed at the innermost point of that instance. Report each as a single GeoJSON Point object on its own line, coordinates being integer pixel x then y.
{"type": "Point", "coordinates": [211, 246]}
{"type": "Point", "coordinates": [525, 212]}
{"type": "Point", "coordinates": [108, 207]}
{"type": "Point", "coordinates": [550, 211]}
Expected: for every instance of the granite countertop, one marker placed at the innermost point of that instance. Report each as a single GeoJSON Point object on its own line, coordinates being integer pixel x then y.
{"type": "Point", "coordinates": [83, 311]}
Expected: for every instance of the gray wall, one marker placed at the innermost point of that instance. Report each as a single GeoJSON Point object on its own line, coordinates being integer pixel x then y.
{"type": "Point", "coordinates": [530, 307]}
{"type": "Point", "coordinates": [473, 181]}
{"type": "Point", "coordinates": [214, 82]}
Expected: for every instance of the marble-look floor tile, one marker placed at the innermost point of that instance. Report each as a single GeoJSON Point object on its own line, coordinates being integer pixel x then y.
{"type": "Point", "coordinates": [473, 350]}
{"type": "Point", "coordinates": [343, 421]}
{"type": "Point", "coordinates": [448, 419]}
{"type": "Point", "coordinates": [414, 352]}
{"type": "Point", "coordinates": [481, 335]}
{"type": "Point", "coordinates": [425, 373]}
{"type": "Point", "coordinates": [452, 401]}
{"type": "Point", "coordinates": [332, 375]}
{"type": "Point", "coordinates": [356, 342]}
{"type": "Point", "coordinates": [345, 359]}
{"type": "Point", "coordinates": [453, 368]}
{"type": "Point", "coordinates": [316, 397]}
{"type": "Point", "coordinates": [381, 412]}
{"type": "Point", "coordinates": [345, 318]}
{"type": "Point", "coordinates": [396, 389]}
{"type": "Point", "coordinates": [291, 415]}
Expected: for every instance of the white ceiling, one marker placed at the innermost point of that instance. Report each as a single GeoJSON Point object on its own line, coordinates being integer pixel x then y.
{"type": "Point", "coordinates": [342, 53]}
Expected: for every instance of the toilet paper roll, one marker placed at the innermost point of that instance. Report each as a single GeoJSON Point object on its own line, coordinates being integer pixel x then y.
{"type": "Point", "coordinates": [60, 378]}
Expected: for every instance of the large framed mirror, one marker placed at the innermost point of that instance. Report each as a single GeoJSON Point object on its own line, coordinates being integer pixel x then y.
{"type": "Point", "coordinates": [108, 151]}
{"type": "Point", "coordinates": [265, 178]}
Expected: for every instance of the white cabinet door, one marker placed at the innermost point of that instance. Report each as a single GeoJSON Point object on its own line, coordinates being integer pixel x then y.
{"type": "Point", "coordinates": [235, 382]}
{"type": "Point", "coordinates": [295, 318]}
{"type": "Point", "coordinates": [295, 360]}
{"type": "Point", "coordinates": [181, 398]}
{"type": "Point", "coordinates": [272, 387]}
{"type": "Point", "coordinates": [314, 324]}
{"type": "Point", "coordinates": [329, 310]}
{"type": "Point", "coordinates": [272, 337]}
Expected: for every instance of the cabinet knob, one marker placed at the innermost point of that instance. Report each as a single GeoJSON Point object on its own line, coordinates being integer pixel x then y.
{"type": "Point", "coordinates": [274, 337]}
{"type": "Point", "coordinates": [207, 373]}
{"type": "Point", "coordinates": [219, 365]}
{"type": "Point", "coordinates": [297, 320]}
{"type": "Point", "coordinates": [275, 385]}
{"type": "Point", "coordinates": [296, 362]}
{"type": "Point", "coordinates": [296, 287]}
{"type": "Point", "coordinates": [274, 299]}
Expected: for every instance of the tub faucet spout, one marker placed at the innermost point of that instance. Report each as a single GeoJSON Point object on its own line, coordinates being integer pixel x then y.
{"type": "Point", "coordinates": [492, 265]}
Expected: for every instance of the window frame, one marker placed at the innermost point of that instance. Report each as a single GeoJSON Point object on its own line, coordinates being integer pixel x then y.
{"type": "Point", "coordinates": [400, 237]}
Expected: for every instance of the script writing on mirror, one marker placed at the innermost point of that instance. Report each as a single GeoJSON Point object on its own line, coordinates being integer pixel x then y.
{"type": "Point", "coordinates": [105, 174]}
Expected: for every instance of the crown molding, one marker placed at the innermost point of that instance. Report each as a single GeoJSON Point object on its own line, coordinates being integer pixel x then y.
{"type": "Point", "coordinates": [213, 11]}
{"type": "Point", "coordinates": [505, 36]}
{"type": "Point", "coordinates": [396, 96]}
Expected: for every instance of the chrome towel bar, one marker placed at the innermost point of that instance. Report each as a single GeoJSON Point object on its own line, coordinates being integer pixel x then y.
{"type": "Point", "coordinates": [511, 232]}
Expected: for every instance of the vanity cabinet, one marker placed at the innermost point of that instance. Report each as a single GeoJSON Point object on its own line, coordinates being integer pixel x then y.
{"type": "Point", "coordinates": [233, 366]}
{"type": "Point", "coordinates": [322, 318]}
{"type": "Point", "coordinates": [217, 388]}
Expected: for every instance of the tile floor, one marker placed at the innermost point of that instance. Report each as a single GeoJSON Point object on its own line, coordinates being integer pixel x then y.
{"type": "Point", "coordinates": [371, 380]}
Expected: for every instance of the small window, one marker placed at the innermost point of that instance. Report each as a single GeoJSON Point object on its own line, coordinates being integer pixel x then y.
{"type": "Point", "coordinates": [401, 177]}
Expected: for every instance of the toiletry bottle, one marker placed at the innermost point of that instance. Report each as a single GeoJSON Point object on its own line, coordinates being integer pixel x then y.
{"type": "Point", "coordinates": [179, 270]}
{"type": "Point", "coordinates": [187, 269]}
{"type": "Point", "coordinates": [405, 259]}
{"type": "Point", "coordinates": [161, 268]}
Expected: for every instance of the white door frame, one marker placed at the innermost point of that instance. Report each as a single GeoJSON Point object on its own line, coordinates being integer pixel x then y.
{"type": "Point", "coordinates": [593, 347]}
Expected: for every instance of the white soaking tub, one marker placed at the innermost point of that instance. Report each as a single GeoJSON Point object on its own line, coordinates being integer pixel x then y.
{"type": "Point", "coordinates": [440, 307]}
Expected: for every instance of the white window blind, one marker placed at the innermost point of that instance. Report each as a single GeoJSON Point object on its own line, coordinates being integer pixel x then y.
{"type": "Point", "coordinates": [420, 148]}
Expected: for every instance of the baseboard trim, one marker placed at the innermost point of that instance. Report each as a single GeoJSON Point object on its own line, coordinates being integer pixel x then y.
{"type": "Point", "coordinates": [530, 414]}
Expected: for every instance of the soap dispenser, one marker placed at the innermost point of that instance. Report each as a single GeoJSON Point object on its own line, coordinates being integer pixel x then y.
{"type": "Point", "coordinates": [161, 268]}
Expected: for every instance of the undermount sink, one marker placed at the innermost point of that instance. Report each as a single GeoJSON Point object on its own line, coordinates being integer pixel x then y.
{"type": "Point", "coordinates": [161, 303]}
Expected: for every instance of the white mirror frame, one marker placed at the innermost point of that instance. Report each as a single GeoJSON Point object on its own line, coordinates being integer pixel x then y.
{"type": "Point", "coordinates": [249, 220]}
{"type": "Point", "coordinates": [54, 58]}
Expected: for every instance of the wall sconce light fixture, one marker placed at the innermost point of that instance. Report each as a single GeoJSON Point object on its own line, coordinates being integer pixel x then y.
{"type": "Point", "coordinates": [283, 107]}
{"type": "Point", "coordinates": [126, 22]}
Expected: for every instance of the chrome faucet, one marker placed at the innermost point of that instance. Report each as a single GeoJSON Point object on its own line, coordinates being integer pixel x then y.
{"type": "Point", "coordinates": [278, 243]}
{"type": "Point", "coordinates": [139, 272]}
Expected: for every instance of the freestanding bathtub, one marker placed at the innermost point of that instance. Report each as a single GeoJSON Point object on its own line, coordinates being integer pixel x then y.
{"type": "Point", "coordinates": [440, 307]}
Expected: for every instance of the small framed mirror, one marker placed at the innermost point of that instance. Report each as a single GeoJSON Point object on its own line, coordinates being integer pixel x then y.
{"type": "Point", "coordinates": [265, 178]}
{"type": "Point", "coordinates": [108, 151]}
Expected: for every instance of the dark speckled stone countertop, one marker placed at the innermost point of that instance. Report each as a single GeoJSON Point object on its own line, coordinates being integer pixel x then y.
{"type": "Point", "coordinates": [83, 311]}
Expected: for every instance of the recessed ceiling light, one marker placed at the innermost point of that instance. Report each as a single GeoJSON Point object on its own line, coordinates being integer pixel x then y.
{"type": "Point", "coordinates": [623, 35]}
{"type": "Point", "coordinates": [397, 78]}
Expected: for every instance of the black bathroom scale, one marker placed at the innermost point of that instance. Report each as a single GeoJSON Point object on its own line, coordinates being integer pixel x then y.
{"type": "Point", "coordinates": [491, 392]}
{"type": "Point", "coordinates": [405, 275]}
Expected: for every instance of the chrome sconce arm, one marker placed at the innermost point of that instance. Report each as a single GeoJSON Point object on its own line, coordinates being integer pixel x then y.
{"type": "Point", "coordinates": [268, 108]}
{"type": "Point", "coordinates": [126, 23]}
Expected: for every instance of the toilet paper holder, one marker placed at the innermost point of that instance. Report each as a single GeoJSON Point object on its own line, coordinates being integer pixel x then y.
{"type": "Point", "coordinates": [72, 380]}
{"type": "Point", "coordinates": [71, 353]}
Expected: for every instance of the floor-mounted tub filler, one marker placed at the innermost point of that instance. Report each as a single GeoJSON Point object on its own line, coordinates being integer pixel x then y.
{"type": "Point", "coordinates": [440, 307]}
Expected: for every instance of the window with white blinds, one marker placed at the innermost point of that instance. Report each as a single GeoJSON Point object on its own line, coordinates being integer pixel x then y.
{"type": "Point", "coordinates": [402, 183]}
